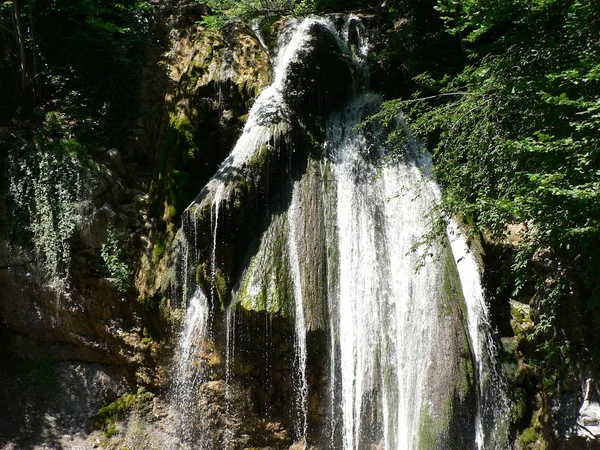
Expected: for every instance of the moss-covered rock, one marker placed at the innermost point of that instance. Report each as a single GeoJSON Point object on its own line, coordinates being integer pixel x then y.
{"type": "Point", "coordinates": [449, 421]}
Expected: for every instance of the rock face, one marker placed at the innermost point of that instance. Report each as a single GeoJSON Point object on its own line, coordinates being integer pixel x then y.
{"type": "Point", "coordinates": [255, 188]}
{"type": "Point", "coordinates": [322, 76]}
{"type": "Point", "coordinates": [49, 405]}
{"type": "Point", "coordinates": [85, 319]}
{"type": "Point", "coordinates": [578, 424]}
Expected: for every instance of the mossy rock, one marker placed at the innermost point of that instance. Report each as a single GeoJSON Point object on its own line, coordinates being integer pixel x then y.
{"type": "Point", "coordinates": [449, 420]}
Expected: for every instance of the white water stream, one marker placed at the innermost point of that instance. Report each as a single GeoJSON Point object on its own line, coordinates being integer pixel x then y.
{"type": "Point", "coordinates": [300, 322]}
{"type": "Point", "coordinates": [384, 309]}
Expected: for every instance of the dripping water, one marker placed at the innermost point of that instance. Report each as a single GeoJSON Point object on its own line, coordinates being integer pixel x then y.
{"type": "Point", "coordinates": [294, 217]}
{"type": "Point", "coordinates": [255, 25]}
{"type": "Point", "coordinates": [214, 218]}
{"type": "Point", "coordinates": [188, 372]}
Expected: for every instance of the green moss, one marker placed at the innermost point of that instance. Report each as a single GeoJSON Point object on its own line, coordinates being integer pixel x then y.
{"type": "Point", "coordinates": [110, 414]}
{"type": "Point", "coordinates": [428, 431]}
{"type": "Point", "coordinates": [201, 275]}
{"type": "Point", "coordinates": [509, 358]}
{"type": "Point", "coordinates": [529, 436]}
{"type": "Point", "coordinates": [452, 294]}
{"type": "Point", "coordinates": [114, 411]}
{"type": "Point", "coordinates": [159, 249]}
{"type": "Point", "coordinates": [171, 213]}
{"type": "Point", "coordinates": [267, 284]}
{"type": "Point", "coordinates": [111, 430]}
{"type": "Point", "coordinates": [183, 125]}
{"type": "Point", "coordinates": [451, 284]}
{"type": "Point", "coordinates": [176, 193]}
{"type": "Point", "coordinates": [520, 321]}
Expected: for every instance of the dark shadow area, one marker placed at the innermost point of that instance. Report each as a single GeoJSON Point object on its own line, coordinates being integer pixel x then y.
{"type": "Point", "coordinates": [28, 394]}
{"type": "Point", "coordinates": [45, 403]}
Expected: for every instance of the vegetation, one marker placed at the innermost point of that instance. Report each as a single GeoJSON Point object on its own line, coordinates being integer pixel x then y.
{"type": "Point", "coordinates": [110, 414]}
{"type": "Point", "coordinates": [112, 254]}
{"type": "Point", "coordinates": [505, 95]}
{"type": "Point", "coordinates": [228, 11]}
{"type": "Point", "coordinates": [66, 76]}
{"type": "Point", "coordinates": [44, 182]}
{"type": "Point", "coordinates": [102, 37]}
{"type": "Point", "coordinates": [514, 128]}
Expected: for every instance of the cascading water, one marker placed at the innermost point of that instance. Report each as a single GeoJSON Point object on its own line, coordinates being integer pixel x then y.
{"type": "Point", "coordinates": [384, 308]}
{"type": "Point", "coordinates": [493, 406]}
{"type": "Point", "coordinates": [268, 118]}
{"type": "Point", "coordinates": [300, 322]}
{"type": "Point", "coordinates": [399, 356]}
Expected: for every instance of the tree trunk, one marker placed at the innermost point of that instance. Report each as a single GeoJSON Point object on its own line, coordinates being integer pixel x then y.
{"type": "Point", "coordinates": [8, 48]}
{"type": "Point", "coordinates": [37, 76]}
{"type": "Point", "coordinates": [21, 44]}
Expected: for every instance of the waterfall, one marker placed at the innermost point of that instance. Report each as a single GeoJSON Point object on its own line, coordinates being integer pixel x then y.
{"type": "Point", "coordinates": [300, 322]}
{"type": "Point", "coordinates": [493, 405]}
{"type": "Point", "coordinates": [384, 309]}
{"type": "Point", "coordinates": [411, 361]}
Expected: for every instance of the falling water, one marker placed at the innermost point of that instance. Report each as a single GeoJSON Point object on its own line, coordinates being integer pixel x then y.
{"type": "Point", "coordinates": [268, 118]}
{"type": "Point", "coordinates": [269, 115]}
{"type": "Point", "coordinates": [214, 217]}
{"type": "Point", "coordinates": [300, 323]}
{"type": "Point", "coordinates": [383, 308]}
{"type": "Point", "coordinates": [255, 25]}
{"type": "Point", "coordinates": [188, 372]}
{"type": "Point", "coordinates": [383, 314]}
{"type": "Point", "coordinates": [491, 422]}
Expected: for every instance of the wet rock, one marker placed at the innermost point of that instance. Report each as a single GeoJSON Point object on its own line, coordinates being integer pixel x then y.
{"type": "Point", "coordinates": [52, 405]}
{"type": "Point", "coordinates": [588, 420]}
{"type": "Point", "coordinates": [92, 224]}
{"type": "Point", "coordinates": [131, 211]}
{"type": "Point", "coordinates": [118, 193]}
{"type": "Point", "coordinates": [110, 177]}
{"type": "Point", "coordinates": [322, 75]}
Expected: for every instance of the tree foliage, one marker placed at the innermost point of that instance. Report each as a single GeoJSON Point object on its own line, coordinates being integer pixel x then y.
{"type": "Point", "coordinates": [112, 254]}
{"type": "Point", "coordinates": [83, 54]}
{"type": "Point", "coordinates": [44, 184]}
{"type": "Point", "coordinates": [69, 75]}
{"type": "Point", "coordinates": [228, 11]}
{"type": "Point", "coordinates": [515, 135]}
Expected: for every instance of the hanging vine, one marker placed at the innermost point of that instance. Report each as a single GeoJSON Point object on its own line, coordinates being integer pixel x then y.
{"type": "Point", "coordinates": [44, 186]}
